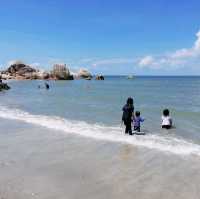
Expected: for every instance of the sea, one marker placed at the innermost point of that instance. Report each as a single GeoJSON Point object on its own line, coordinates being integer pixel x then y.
{"type": "Point", "coordinates": [69, 141]}
{"type": "Point", "coordinates": [94, 108]}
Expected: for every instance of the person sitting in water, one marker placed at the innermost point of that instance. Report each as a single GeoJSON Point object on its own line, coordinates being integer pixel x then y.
{"type": "Point", "coordinates": [166, 120]}
{"type": "Point", "coordinates": [137, 120]}
{"type": "Point", "coordinates": [128, 110]}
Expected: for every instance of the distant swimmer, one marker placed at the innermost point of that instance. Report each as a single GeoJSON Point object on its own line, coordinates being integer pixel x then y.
{"type": "Point", "coordinates": [166, 120]}
{"type": "Point", "coordinates": [47, 85]}
{"type": "Point", "coordinates": [127, 115]}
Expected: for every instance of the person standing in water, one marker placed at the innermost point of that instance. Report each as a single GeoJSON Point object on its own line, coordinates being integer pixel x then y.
{"type": "Point", "coordinates": [137, 120]}
{"type": "Point", "coordinates": [46, 85]}
{"type": "Point", "coordinates": [127, 115]}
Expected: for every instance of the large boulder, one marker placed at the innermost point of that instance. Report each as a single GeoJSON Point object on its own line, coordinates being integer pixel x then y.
{"type": "Point", "coordinates": [83, 73]}
{"type": "Point", "coordinates": [20, 69]}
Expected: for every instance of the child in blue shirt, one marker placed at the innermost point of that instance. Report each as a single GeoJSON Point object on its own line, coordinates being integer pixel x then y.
{"type": "Point", "coordinates": [137, 120]}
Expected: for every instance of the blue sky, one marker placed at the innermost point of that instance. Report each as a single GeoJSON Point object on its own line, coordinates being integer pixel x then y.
{"type": "Point", "coordinates": [143, 37]}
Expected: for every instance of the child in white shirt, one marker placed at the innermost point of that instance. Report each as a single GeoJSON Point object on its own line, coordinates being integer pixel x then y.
{"type": "Point", "coordinates": [166, 120]}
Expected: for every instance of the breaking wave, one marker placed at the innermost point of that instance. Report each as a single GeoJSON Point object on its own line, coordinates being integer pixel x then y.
{"type": "Point", "coordinates": [107, 133]}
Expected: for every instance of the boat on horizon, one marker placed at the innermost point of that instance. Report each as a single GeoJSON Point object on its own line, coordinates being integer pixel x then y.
{"type": "Point", "coordinates": [130, 77]}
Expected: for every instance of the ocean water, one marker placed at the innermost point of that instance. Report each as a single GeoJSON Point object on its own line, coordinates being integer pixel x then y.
{"type": "Point", "coordinates": [92, 109]}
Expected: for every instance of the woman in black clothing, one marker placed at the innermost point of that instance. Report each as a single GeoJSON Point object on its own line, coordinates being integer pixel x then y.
{"type": "Point", "coordinates": [128, 111]}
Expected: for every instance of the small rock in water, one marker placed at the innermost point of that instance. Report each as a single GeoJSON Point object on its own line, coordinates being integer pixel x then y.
{"type": "Point", "coordinates": [4, 86]}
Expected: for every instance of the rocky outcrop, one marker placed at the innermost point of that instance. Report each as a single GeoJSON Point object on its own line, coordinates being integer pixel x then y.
{"type": "Point", "coordinates": [3, 86]}
{"type": "Point", "coordinates": [99, 77]}
{"type": "Point", "coordinates": [20, 69]}
{"type": "Point", "coordinates": [6, 76]}
{"type": "Point", "coordinates": [61, 72]}
{"type": "Point", "coordinates": [62, 76]}
{"type": "Point", "coordinates": [42, 75]}
{"type": "Point", "coordinates": [36, 75]}
{"type": "Point", "coordinates": [83, 73]}
{"type": "Point", "coordinates": [88, 78]}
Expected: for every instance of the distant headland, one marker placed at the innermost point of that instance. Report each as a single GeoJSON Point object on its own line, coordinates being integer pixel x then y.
{"type": "Point", "coordinates": [21, 71]}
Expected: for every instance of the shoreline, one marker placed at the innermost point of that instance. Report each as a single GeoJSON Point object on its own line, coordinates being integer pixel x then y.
{"type": "Point", "coordinates": [161, 143]}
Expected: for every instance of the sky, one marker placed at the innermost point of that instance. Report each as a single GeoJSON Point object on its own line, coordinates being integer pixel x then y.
{"type": "Point", "coordinates": [111, 37]}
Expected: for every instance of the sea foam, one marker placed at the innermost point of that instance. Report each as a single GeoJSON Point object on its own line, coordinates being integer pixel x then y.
{"type": "Point", "coordinates": [107, 133]}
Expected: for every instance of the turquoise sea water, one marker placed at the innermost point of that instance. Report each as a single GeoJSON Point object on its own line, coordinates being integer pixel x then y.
{"type": "Point", "coordinates": [95, 106]}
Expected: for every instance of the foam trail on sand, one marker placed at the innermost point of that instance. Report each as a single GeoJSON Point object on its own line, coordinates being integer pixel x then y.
{"type": "Point", "coordinates": [101, 132]}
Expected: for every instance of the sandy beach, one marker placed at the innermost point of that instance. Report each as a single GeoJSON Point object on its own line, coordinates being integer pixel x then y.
{"type": "Point", "coordinates": [40, 163]}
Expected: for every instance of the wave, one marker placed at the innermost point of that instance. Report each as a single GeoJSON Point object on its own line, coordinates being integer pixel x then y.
{"type": "Point", "coordinates": [106, 133]}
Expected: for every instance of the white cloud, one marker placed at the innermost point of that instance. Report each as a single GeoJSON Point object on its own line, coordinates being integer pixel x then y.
{"type": "Point", "coordinates": [113, 61]}
{"type": "Point", "coordinates": [189, 52]}
{"type": "Point", "coordinates": [197, 42]}
{"type": "Point", "coordinates": [147, 60]}
{"type": "Point", "coordinates": [167, 61]}
{"type": "Point", "coordinates": [178, 58]}
{"type": "Point", "coordinates": [184, 57]}
{"type": "Point", "coordinates": [183, 53]}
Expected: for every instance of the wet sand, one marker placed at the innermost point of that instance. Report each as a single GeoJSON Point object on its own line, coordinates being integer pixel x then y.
{"type": "Point", "coordinates": [40, 163]}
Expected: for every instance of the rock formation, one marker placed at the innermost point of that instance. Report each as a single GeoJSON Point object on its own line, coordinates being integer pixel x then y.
{"type": "Point", "coordinates": [99, 77]}
{"type": "Point", "coordinates": [61, 72]}
{"type": "Point", "coordinates": [83, 73]}
{"type": "Point", "coordinates": [3, 86]}
{"type": "Point", "coordinates": [42, 75]}
{"type": "Point", "coordinates": [20, 69]}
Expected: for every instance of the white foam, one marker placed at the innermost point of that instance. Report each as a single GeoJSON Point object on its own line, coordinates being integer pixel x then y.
{"type": "Point", "coordinates": [106, 133]}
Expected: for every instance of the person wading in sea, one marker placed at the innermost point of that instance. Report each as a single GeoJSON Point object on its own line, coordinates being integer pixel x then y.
{"type": "Point", "coordinates": [46, 85]}
{"type": "Point", "coordinates": [127, 115]}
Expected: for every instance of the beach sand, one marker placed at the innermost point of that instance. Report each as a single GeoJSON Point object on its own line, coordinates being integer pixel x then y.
{"type": "Point", "coordinates": [40, 163]}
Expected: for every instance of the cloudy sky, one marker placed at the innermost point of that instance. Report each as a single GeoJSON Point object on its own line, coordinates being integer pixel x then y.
{"type": "Point", "coordinates": [142, 37]}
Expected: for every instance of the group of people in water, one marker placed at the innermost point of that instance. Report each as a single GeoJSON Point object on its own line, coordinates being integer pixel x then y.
{"type": "Point", "coordinates": [129, 117]}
